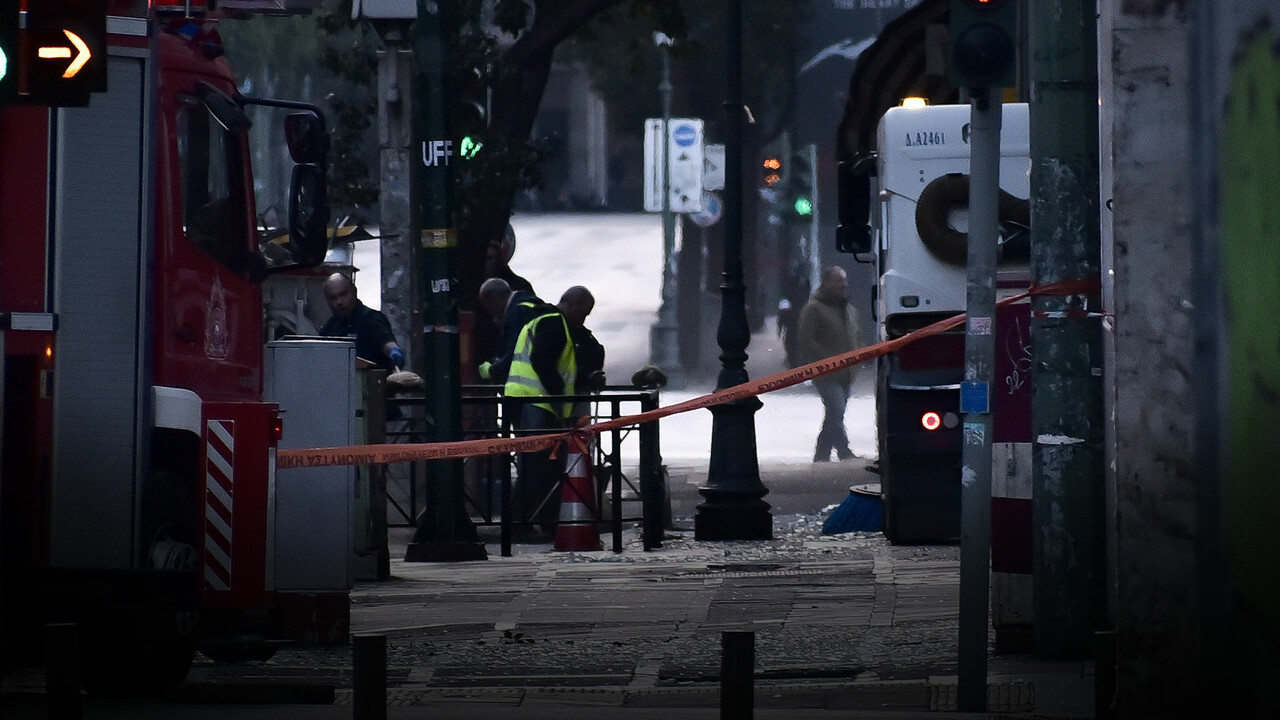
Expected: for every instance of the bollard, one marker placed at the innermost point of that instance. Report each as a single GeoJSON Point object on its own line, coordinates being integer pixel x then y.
{"type": "Point", "coordinates": [1104, 674]}
{"type": "Point", "coordinates": [62, 671]}
{"type": "Point", "coordinates": [737, 675]}
{"type": "Point", "coordinates": [369, 677]}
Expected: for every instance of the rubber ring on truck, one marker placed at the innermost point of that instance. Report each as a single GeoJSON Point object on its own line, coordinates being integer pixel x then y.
{"type": "Point", "coordinates": [939, 197]}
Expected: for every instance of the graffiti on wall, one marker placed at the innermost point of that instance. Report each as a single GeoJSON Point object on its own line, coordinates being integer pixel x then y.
{"type": "Point", "coordinates": [1249, 208]}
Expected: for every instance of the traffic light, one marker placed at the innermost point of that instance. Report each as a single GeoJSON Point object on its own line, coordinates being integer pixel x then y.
{"type": "Point", "coordinates": [984, 45]}
{"type": "Point", "coordinates": [64, 53]}
{"type": "Point", "coordinates": [771, 171]}
{"type": "Point", "coordinates": [473, 120]}
{"type": "Point", "coordinates": [800, 186]}
{"type": "Point", "coordinates": [853, 205]}
{"type": "Point", "coordinates": [8, 50]}
{"type": "Point", "coordinates": [469, 147]}
{"type": "Point", "coordinates": [472, 111]}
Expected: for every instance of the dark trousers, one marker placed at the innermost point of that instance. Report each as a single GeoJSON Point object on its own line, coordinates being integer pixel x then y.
{"type": "Point", "coordinates": [538, 473]}
{"type": "Point", "coordinates": [832, 436]}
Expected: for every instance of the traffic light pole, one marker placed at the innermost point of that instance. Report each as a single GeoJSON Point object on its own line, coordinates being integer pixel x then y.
{"type": "Point", "coordinates": [975, 397]}
{"type": "Point", "coordinates": [815, 254]}
{"type": "Point", "coordinates": [984, 52]}
{"type": "Point", "coordinates": [444, 531]}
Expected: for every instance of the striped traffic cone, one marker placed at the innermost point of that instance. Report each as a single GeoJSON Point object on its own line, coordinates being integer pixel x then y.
{"type": "Point", "coordinates": [577, 528]}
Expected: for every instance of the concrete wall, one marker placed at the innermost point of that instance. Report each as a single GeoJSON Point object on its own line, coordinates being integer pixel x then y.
{"type": "Point", "coordinates": [1190, 127]}
{"type": "Point", "coordinates": [1146, 125]}
{"type": "Point", "coordinates": [1238, 95]}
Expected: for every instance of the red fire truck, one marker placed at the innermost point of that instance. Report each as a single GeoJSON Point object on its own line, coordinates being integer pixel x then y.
{"type": "Point", "coordinates": [138, 453]}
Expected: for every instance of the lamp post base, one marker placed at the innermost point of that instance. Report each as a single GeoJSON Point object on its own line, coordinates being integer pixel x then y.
{"type": "Point", "coordinates": [734, 508]}
{"type": "Point", "coordinates": [733, 519]}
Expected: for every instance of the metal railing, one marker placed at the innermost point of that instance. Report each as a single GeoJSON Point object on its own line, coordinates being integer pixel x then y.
{"type": "Point", "coordinates": [488, 480]}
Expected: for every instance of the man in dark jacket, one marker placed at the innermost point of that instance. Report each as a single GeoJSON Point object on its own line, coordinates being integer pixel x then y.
{"type": "Point", "coordinates": [538, 361]}
{"type": "Point", "coordinates": [369, 328]}
{"type": "Point", "coordinates": [510, 311]}
{"type": "Point", "coordinates": [827, 328]}
{"type": "Point", "coordinates": [576, 304]}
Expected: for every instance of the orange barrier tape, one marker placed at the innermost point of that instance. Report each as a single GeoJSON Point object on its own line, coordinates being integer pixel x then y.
{"type": "Point", "coordinates": [409, 452]}
{"type": "Point", "coordinates": [377, 454]}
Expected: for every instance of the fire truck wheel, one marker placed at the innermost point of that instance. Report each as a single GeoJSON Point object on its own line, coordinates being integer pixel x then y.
{"type": "Point", "coordinates": [170, 517]}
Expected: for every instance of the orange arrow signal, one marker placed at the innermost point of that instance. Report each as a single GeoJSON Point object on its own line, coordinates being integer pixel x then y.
{"type": "Point", "coordinates": [82, 54]}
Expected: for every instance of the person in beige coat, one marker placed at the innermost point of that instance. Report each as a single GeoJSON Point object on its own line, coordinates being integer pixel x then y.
{"type": "Point", "coordinates": [827, 327]}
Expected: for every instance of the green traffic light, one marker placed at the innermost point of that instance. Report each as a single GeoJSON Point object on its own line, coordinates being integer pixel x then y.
{"type": "Point", "coordinates": [803, 206]}
{"type": "Point", "coordinates": [470, 147]}
{"type": "Point", "coordinates": [9, 64]}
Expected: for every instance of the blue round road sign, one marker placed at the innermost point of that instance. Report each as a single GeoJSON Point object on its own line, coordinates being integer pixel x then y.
{"type": "Point", "coordinates": [684, 135]}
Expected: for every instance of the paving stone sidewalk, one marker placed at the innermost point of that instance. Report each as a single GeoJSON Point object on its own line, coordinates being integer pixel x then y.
{"type": "Point", "coordinates": [846, 621]}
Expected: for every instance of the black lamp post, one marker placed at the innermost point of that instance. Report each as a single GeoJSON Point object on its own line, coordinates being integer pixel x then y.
{"type": "Point", "coordinates": [733, 508]}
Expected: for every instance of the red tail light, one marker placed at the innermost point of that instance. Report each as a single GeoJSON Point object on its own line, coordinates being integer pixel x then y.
{"type": "Point", "coordinates": [277, 429]}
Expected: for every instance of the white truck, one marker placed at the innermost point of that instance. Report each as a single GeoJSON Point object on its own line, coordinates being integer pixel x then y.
{"type": "Point", "coordinates": [905, 209]}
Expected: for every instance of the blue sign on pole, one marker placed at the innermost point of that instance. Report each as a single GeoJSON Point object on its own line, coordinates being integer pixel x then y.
{"type": "Point", "coordinates": [974, 398]}
{"type": "Point", "coordinates": [684, 135]}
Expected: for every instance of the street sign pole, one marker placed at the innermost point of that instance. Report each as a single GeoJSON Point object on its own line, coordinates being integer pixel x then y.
{"type": "Point", "coordinates": [662, 336]}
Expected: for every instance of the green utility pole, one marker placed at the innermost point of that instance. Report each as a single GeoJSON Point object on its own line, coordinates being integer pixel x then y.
{"type": "Point", "coordinates": [1068, 499]}
{"type": "Point", "coordinates": [445, 531]}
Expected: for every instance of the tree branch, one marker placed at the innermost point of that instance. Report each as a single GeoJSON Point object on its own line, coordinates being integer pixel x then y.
{"type": "Point", "coordinates": [551, 28]}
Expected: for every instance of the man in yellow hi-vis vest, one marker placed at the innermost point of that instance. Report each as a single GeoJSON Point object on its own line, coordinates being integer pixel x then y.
{"type": "Point", "coordinates": [542, 362]}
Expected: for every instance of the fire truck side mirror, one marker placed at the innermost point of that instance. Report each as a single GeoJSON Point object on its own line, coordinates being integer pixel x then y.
{"type": "Point", "coordinates": [304, 134]}
{"type": "Point", "coordinates": [309, 214]}
{"type": "Point", "coordinates": [853, 234]}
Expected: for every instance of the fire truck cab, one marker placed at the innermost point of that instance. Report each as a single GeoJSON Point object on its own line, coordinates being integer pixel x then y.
{"type": "Point", "coordinates": [138, 454]}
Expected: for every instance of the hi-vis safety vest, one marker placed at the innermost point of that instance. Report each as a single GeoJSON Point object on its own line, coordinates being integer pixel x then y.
{"type": "Point", "coordinates": [523, 381]}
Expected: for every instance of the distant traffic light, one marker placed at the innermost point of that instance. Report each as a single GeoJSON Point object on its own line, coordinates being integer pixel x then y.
{"type": "Point", "coordinates": [984, 43]}
{"type": "Point", "coordinates": [800, 185]}
{"type": "Point", "coordinates": [8, 50]}
{"type": "Point", "coordinates": [771, 173]}
{"type": "Point", "coordinates": [64, 56]}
